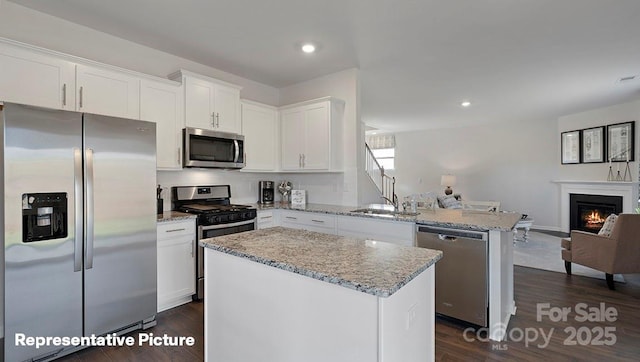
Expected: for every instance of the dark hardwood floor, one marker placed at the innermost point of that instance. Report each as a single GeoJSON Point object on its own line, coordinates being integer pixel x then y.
{"type": "Point", "coordinates": [532, 286]}
{"type": "Point", "coordinates": [186, 320]}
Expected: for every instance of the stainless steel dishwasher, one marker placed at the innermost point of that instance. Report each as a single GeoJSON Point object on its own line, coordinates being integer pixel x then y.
{"type": "Point", "coordinates": [462, 287]}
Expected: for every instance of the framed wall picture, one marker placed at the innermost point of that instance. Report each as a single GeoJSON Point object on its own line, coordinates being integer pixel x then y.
{"type": "Point", "coordinates": [570, 147]}
{"type": "Point", "coordinates": [620, 142]}
{"type": "Point", "coordinates": [593, 149]}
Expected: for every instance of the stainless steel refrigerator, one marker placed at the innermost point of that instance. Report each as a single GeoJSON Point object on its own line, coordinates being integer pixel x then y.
{"type": "Point", "coordinates": [79, 226]}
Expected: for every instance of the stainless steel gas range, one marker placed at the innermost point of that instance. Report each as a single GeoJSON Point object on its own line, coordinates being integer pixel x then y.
{"type": "Point", "coordinates": [216, 217]}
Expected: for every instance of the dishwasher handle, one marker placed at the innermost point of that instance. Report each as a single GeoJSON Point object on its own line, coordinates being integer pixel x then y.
{"type": "Point", "coordinates": [453, 234]}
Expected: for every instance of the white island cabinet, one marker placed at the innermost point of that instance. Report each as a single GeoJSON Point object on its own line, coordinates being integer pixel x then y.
{"type": "Point", "coordinates": [291, 295]}
{"type": "Point", "coordinates": [176, 263]}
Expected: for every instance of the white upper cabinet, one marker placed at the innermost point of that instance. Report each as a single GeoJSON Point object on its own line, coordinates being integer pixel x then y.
{"type": "Point", "coordinates": [260, 130]}
{"type": "Point", "coordinates": [312, 135]}
{"type": "Point", "coordinates": [209, 103]}
{"type": "Point", "coordinates": [162, 103]}
{"type": "Point", "coordinates": [30, 77]}
{"type": "Point", "coordinates": [107, 92]}
{"type": "Point", "coordinates": [293, 142]}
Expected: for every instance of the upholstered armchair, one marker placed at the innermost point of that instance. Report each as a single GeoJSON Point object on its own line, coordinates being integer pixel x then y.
{"type": "Point", "coordinates": [617, 254]}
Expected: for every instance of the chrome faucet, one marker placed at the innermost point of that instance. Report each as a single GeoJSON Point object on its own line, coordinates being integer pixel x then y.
{"type": "Point", "coordinates": [393, 202]}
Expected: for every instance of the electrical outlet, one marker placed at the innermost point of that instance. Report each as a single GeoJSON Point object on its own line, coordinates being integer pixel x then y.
{"type": "Point", "coordinates": [412, 315]}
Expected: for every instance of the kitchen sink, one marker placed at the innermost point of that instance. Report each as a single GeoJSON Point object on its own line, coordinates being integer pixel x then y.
{"type": "Point", "coordinates": [384, 212]}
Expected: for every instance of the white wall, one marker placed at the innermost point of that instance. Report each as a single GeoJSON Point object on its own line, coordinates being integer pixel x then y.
{"type": "Point", "coordinates": [244, 186]}
{"type": "Point", "coordinates": [625, 112]}
{"type": "Point", "coordinates": [512, 162]}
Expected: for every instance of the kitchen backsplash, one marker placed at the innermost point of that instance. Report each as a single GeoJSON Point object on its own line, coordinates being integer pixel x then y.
{"type": "Point", "coordinates": [320, 188]}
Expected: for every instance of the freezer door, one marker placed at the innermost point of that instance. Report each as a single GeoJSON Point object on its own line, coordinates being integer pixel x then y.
{"type": "Point", "coordinates": [120, 202]}
{"type": "Point", "coordinates": [43, 271]}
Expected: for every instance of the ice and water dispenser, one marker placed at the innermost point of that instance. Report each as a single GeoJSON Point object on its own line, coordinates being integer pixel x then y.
{"type": "Point", "coordinates": [44, 216]}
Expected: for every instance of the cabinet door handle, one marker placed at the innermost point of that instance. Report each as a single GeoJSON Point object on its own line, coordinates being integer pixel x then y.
{"type": "Point", "coordinates": [179, 153]}
{"type": "Point", "coordinates": [304, 160]}
{"type": "Point", "coordinates": [213, 119]}
{"type": "Point", "coordinates": [64, 94]}
{"type": "Point", "coordinates": [266, 217]}
{"type": "Point", "coordinates": [174, 230]}
{"type": "Point", "coordinates": [300, 160]}
{"type": "Point", "coordinates": [193, 246]}
{"type": "Point", "coordinates": [217, 120]}
{"type": "Point", "coordinates": [321, 221]}
{"type": "Point", "coordinates": [80, 102]}
{"type": "Point", "coordinates": [291, 218]}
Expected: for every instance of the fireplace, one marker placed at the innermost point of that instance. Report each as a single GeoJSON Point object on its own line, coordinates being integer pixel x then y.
{"type": "Point", "coordinates": [588, 212]}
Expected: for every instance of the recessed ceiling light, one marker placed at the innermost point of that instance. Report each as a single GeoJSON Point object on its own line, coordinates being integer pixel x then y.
{"type": "Point", "coordinates": [465, 104]}
{"type": "Point", "coordinates": [308, 48]}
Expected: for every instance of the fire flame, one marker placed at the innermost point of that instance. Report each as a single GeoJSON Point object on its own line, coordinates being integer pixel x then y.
{"type": "Point", "coordinates": [594, 218]}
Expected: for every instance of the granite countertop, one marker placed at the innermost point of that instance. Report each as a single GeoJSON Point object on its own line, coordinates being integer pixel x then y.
{"type": "Point", "coordinates": [453, 218]}
{"type": "Point", "coordinates": [368, 266]}
{"type": "Point", "coordinates": [174, 215]}
{"type": "Point", "coordinates": [469, 219]}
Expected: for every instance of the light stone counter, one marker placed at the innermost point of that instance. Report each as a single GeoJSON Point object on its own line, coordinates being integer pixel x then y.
{"type": "Point", "coordinates": [469, 219]}
{"type": "Point", "coordinates": [376, 268]}
{"type": "Point", "coordinates": [174, 215]}
{"type": "Point", "coordinates": [451, 218]}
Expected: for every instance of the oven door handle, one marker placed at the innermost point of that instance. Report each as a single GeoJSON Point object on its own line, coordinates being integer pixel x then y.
{"type": "Point", "coordinates": [224, 226]}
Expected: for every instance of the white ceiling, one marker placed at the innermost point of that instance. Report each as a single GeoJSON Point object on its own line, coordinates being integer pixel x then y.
{"type": "Point", "coordinates": [515, 60]}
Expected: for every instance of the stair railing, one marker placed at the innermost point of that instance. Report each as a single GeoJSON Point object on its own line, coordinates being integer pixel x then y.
{"type": "Point", "coordinates": [385, 183]}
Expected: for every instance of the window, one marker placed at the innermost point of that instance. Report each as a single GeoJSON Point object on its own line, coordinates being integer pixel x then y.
{"type": "Point", "coordinates": [385, 157]}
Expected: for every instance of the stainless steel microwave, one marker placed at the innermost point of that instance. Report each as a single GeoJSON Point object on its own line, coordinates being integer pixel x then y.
{"type": "Point", "coordinates": [211, 149]}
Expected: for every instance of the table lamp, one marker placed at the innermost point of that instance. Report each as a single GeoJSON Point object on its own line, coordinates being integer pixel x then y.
{"type": "Point", "coordinates": [448, 181]}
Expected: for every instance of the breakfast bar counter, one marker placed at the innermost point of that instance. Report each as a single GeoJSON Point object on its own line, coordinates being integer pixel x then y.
{"type": "Point", "coordinates": [281, 294]}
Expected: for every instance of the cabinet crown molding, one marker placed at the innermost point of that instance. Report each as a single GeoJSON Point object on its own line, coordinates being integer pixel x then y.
{"type": "Point", "coordinates": [180, 74]}
{"type": "Point", "coordinates": [313, 101]}
{"type": "Point", "coordinates": [83, 61]}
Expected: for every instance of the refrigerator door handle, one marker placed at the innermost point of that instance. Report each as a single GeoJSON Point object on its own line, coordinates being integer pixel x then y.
{"type": "Point", "coordinates": [77, 191]}
{"type": "Point", "coordinates": [89, 225]}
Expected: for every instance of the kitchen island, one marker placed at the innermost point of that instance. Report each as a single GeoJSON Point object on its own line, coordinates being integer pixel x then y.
{"type": "Point", "coordinates": [498, 226]}
{"type": "Point", "coordinates": [281, 294]}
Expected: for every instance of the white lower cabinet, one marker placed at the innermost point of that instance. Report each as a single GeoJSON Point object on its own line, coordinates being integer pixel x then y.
{"type": "Point", "coordinates": [267, 219]}
{"type": "Point", "coordinates": [397, 232]}
{"type": "Point", "coordinates": [311, 221]}
{"type": "Point", "coordinates": [176, 263]}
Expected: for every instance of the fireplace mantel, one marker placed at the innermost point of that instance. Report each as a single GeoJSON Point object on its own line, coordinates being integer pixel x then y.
{"type": "Point", "coordinates": [628, 191]}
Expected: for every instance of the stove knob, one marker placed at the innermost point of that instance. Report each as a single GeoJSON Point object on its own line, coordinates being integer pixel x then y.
{"type": "Point", "coordinates": [233, 217]}
{"type": "Point", "coordinates": [214, 219]}
{"type": "Point", "coordinates": [247, 216]}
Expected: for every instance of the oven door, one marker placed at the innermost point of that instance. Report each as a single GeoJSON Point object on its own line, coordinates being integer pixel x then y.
{"type": "Point", "coordinates": [204, 148]}
{"type": "Point", "coordinates": [211, 231]}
